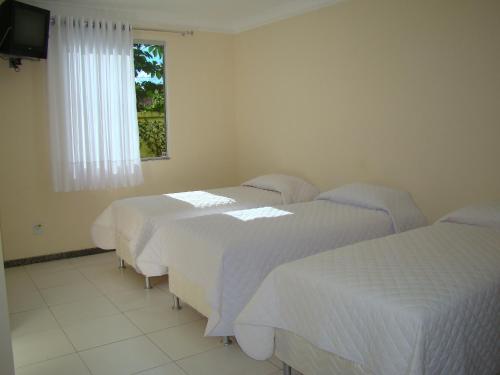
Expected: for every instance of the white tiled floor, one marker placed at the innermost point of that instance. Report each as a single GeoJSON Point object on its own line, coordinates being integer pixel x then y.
{"type": "Point", "coordinates": [84, 316]}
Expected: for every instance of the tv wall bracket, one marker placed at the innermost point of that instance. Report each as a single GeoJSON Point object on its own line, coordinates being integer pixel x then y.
{"type": "Point", "coordinates": [15, 63]}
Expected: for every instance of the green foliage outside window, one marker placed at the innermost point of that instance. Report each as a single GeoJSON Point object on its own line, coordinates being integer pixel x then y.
{"type": "Point", "coordinates": [149, 71]}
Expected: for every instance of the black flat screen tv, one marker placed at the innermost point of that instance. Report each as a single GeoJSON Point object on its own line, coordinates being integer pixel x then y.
{"type": "Point", "coordinates": [24, 30]}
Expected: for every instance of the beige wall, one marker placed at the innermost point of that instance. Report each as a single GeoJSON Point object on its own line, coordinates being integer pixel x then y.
{"type": "Point", "coordinates": [201, 131]}
{"type": "Point", "coordinates": [404, 93]}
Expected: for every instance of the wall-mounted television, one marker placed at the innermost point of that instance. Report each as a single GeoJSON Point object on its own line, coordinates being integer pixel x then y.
{"type": "Point", "coordinates": [24, 30]}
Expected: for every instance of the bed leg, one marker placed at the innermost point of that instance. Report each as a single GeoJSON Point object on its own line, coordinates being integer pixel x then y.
{"type": "Point", "coordinates": [177, 303]}
{"type": "Point", "coordinates": [226, 340]}
{"type": "Point", "coordinates": [287, 370]}
{"type": "Point", "coordinates": [147, 280]}
{"type": "Point", "coordinates": [121, 263]}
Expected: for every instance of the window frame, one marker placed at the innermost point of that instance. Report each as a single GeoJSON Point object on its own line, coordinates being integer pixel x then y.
{"type": "Point", "coordinates": [165, 90]}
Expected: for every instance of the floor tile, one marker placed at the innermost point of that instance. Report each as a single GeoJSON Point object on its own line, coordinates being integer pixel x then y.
{"type": "Point", "coordinates": [136, 299]}
{"type": "Point", "coordinates": [40, 346]}
{"type": "Point", "coordinates": [17, 282]}
{"type": "Point", "coordinates": [85, 296]}
{"type": "Point", "coordinates": [225, 361]}
{"type": "Point", "coordinates": [92, 333]}
{"type": "Point", "coordinates": [70, 293]}
{"type": "Point", "coordinates": [104, 258]}
{"type": "Point", "coordinates": [170, 369]}
{"type": "Point", "coordinates": [14, 270]}
{"type": "Point", "coordinates": [67, 365]}
{"type": "Point", "coordinates": [155, 318]}
{"type": "Point", "coordinates": [276, 361]}
{"type": "Point", "coordinates": [161, 282]}
{"type": "Point", "coordinates": [15, 274]}
{"type": "Point", "coordinates": [280, 372]}
{"type": "Point", "coordinates": [81, 311]}
{"type": "Point", "coordinates": [38, 320]}
{"type": "Point", "coordinates": [54, 266]}
{"type": "Point", "coordinates": [115, 281]}
{"type": "Point", "coordinates": [49, 279]}
{"type": "Point", "coordinates": [184, 341]}
{"type": "Point", "coordinates": [24, 299]}
{"type": "Point", "coordinates": [100, 270]}
{"type": "Point", "coordinates": [124, 357]}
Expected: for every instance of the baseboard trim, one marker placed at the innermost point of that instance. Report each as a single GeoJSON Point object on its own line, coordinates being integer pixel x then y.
{"type": "Point", "coordinates": [57, 256]}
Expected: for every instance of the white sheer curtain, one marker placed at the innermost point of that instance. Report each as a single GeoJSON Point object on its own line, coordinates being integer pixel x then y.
{"type": "Point", "coordinates": [93, 119]}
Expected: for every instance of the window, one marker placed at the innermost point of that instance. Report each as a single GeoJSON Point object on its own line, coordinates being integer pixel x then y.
{"type": "Point", "coordinates": [149, 68]}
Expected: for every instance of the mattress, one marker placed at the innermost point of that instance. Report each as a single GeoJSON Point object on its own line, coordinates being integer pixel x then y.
{"type": "Point", "coordinates": [426, 301]}
{"type": "Point", "coordinates": [229, 254]}
{"type": "Point", "coordinates": [127, 224]}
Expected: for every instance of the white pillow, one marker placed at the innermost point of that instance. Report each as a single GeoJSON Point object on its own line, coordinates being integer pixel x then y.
{"type": "Point", "coordinates": [484, 215]}
{"type": "Point", "coordinates": [399, 205]}
{"type": "Point", "coordinates": [292, 189]}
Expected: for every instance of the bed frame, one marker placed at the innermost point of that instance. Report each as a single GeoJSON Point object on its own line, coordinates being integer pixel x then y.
{"type": "Point", "coordinates": [190, 293]}
{"type": "Point", "coordinates": [123, 252]}
{"type": "Point", "coordinates": [294, 351]}
{"type": "Point", "coordinates": [298, 353]}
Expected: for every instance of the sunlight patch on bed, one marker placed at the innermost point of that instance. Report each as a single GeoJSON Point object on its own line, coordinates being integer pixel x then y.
{"type": "Point", "coordinates": [201, 199]}
{"type": "Point", "coordinates": [257, 213]}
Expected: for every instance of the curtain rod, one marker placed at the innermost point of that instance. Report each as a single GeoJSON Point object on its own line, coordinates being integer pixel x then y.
{"type": "Point", "coordinates": [179, 32]}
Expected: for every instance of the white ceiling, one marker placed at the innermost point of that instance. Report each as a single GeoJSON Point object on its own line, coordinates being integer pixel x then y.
{"type": "Point", "coordinates": [230, 16]}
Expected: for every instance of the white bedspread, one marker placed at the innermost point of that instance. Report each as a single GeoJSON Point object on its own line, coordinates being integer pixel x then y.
{"type": "Point", "coordinates": [398, 204]}
{"type": "Point", "coordinates": [136, 219]}
{"type": "Point", "coordinates": [230, 254]}
{"type": "Point", "coordinates": [422, 302]}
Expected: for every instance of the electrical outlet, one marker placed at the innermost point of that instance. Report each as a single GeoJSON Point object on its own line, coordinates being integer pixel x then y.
{"type": "Point", "coordinates": [38, 229]}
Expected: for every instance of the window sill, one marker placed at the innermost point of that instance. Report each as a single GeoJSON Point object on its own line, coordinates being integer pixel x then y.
{"type": "Point", "coordinates": [158, 158]}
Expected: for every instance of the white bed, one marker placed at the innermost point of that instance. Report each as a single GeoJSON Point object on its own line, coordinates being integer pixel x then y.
{"type": "Point", "coordinates": [127, 224]}
{"type": "Point", "coordinates": [422, 302]}
{"type": "Point", "coordinates": [217, 262]}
